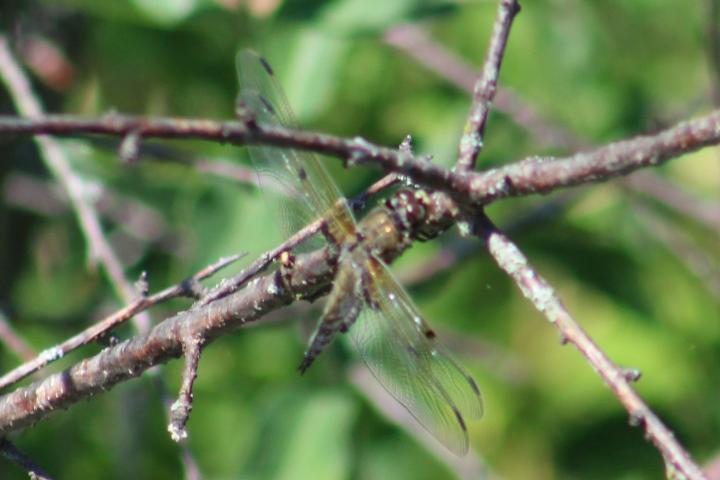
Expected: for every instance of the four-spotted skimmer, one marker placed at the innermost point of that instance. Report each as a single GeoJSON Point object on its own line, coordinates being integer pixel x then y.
{"type": "Point", "coordinates": [390, 334]}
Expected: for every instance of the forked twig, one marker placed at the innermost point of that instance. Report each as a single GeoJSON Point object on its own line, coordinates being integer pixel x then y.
{"type": "Point", "coordinates": [181, 408]}
{"type": "Point", "coordinates": [188, 287]}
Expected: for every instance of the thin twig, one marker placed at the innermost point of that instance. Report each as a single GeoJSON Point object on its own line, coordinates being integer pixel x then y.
{"type": "Point", "coordinates": [188, 287]}
{"type": "Point", "coordinates": [181, 408]}
{"type": "Point", "coordinates": [12, 453]}
{"type": "Point", "coordinates": [15, 342]}
{"type": "Point", "coordinates": [471, 142]}
{"type": "Point", "coordinates": [510, 259]}
{"type": "Point", "coordinates": [190, 465]}
{"type": "Point", "coordinates": [99, 249]}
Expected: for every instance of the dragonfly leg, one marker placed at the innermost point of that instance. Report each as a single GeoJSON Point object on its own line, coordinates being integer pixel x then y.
{"type": "Point", "coordinates": [342, 308]}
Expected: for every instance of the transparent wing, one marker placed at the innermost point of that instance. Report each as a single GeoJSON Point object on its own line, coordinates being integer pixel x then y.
{"type": "Point", "coordinates": [309, 190]}
{"type": "Point", "coordinates": [400, 350]}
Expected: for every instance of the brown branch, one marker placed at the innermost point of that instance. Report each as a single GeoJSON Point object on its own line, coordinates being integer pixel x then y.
{"type": "Point", "coordinates": [510, 259]}
{"type": "Point", "coordinates": [192, 469]}
{"type": "Point", "coordinates": [520, 178]}
{"type": "Point", "coordinates": [12, 453]}
{"type": "Point", "coordinates": [129, 359]}
{"type": "Point", "coordinates": [188, 287]}
{"type": "Point", "coordinates": [311, 275]}
{"type": "Point", "coordinates": [181, 408]}
{"type": "Point", "coordinates": [471, 142]}
{"type": "Point", "coordinates": [542, 175]}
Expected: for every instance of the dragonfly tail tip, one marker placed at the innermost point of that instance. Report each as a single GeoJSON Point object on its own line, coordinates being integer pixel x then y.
{"type": "Point", "coordinates": [304, 365]}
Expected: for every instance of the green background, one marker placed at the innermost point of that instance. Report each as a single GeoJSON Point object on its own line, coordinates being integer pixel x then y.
{"type": "Point", "coordinates": [603, 70]}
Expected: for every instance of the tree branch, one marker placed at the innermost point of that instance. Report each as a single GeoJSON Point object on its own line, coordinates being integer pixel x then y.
{"type": "Point", "coordinates": [510, 259]}
{"type": "Point", "coordinates": [516, 179]}
{"type": "Point", "coordinates": [187, 287]}
{"type": "Point", "coordinates": [311, 275]}
{"type": "Point", "coordinates": [546, 174]}
{"type": "Point", "coordinates": [471, 142]}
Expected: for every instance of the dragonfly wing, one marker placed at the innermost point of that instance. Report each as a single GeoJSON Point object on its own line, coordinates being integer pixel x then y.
{"type": "Point", "coordinates": [450, 374]}
{"type": "Point", "coordinates": [299, 175]}
{"type": "Point", "coordinates": [409, 363]}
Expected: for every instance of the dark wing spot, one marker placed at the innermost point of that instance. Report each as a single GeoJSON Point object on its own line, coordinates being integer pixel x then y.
{"type": "Point", "coordinates": [267, 66]}
{"type": "Point", "coordinates": [266, 103]}
{"type": "Point", "coordinates": [302, 174]}
{"type": "Point", "coordinates": [430, 333]}
{"type": "Point", "coordinates": [460, 419]}
{"type": "Point", "coordinates": [473, 385]}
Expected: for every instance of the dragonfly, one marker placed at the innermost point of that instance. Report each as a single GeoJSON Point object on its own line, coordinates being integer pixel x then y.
{"type": "Point", "coordinates": [365, 301]}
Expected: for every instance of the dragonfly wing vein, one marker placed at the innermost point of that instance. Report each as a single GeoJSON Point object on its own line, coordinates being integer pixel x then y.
{"type": "Point", "coordinates": [410, 365]}
{"type": "Point", "coordinates": [301, 174]}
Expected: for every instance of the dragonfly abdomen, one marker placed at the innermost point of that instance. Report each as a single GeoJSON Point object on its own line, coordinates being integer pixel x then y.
{"type": "Point", "coordinates": [342, 308]}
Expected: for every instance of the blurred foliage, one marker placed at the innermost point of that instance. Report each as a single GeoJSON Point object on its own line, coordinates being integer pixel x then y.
{"type": "Point", "coordinates": [603, 70]}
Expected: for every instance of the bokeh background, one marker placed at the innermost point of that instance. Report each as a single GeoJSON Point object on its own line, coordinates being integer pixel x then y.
{"type": "Point", "coordinates": [639, 274]}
